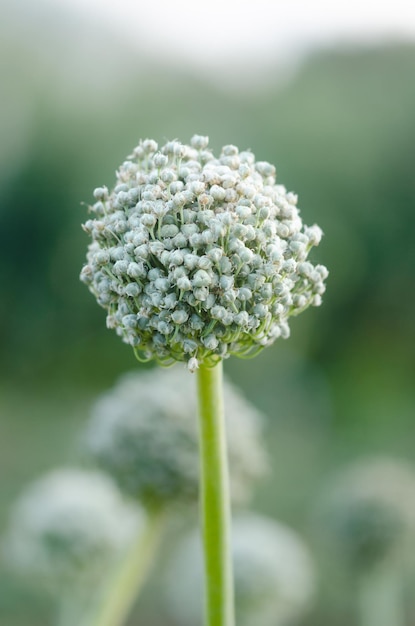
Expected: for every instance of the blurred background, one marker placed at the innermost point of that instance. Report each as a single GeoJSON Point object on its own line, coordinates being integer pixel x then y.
{"type": "Point", "coordinates": [327, 93]}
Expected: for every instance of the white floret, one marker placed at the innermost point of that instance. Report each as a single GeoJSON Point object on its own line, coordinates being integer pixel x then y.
{"type": "Point", "coordinates": [178, 206]}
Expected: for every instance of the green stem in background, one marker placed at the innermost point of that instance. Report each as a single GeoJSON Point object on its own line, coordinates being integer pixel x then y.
{"type": "Point", "coordinates": [381, 601]}
{"type": "Point", "coordinates": [215, 499]}
{"type": "Point", "coordinates": [117, 599]}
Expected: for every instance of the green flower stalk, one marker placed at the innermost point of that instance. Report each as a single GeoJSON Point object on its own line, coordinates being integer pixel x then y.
{"type": "Point", "coordinates": [368, 515]}
{"type": "Point", "coordinates": [113, 604]}
{"type": "Point", "coordinates": [148, 442]}
{"type": "Point", "coordinates": [274, 574]}
{"type": "Point", "coordinates": [196, 258]}
{"type": "Point", "coordinates": [68, 530]}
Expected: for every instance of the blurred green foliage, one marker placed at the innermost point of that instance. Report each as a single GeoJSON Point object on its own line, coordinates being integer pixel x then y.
{"type": "Point", "coordinates": [342, 135]}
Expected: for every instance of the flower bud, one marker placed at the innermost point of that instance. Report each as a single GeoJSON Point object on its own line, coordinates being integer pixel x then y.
{"type": "Point", "coordinates": [67, 528]}
{"type": "Point", "coordinates": [226, 225]}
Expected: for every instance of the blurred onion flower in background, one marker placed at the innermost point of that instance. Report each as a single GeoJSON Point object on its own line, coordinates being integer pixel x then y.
{"type": "Point", "coordinates": [274, 574]}
{"type": "Point", "coordinates": [67, 531]}
{"type": "Point", "coordinates": [195, 257]}
{"type": "Point", "coordinates": [143, 432]}
{"type": "Point", "coordinates": [369, 510]}
{"type": "Point", "coordinates": [368, 515]}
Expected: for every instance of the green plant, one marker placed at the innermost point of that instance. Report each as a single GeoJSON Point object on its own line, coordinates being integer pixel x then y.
{"type": "Point", "coordinates": [196, 258]}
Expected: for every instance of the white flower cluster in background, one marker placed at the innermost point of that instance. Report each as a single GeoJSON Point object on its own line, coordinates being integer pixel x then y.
{"type": "Point", "coordinates": [195, 257]}
{"type": "Point", "coordinates": [274, 575]}
{"type": "Point", "coordinates": [144, 434]}
{"type": "Point", "coordinates": [68, 528]}
{"type": "Point", "coordinates": [368, 510]}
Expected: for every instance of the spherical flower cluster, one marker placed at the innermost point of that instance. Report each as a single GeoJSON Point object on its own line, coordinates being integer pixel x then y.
{"type": "Point", "coordinates": [195, 257]}
{"type": "Point", "coordinates": [368, 511]}
{"type": "Point", "coordinates": [148, 441]}
{"type": "Point", "coordinates": [68, 528]}
{"type": "Point", "coordinates": [274, 575]}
